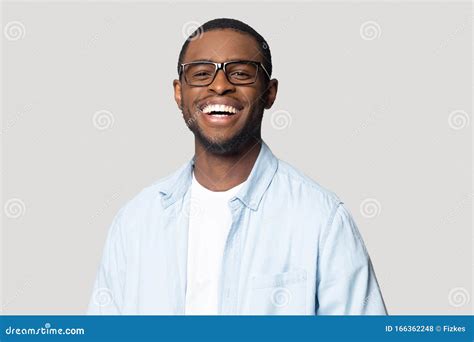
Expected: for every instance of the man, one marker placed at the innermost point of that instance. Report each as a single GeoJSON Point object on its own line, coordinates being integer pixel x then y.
{"type": "Point", "coordinates": [235, 230]}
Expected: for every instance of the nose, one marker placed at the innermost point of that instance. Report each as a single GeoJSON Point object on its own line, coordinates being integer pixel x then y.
{"type": "Point", "coordinates": [221, 84]}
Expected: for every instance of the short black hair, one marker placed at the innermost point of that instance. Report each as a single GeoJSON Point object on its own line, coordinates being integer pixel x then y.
{"type": "Point", "coordinates": [233, 24]}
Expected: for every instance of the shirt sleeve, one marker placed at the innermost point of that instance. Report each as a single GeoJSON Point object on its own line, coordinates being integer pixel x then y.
{"type": "Point", "coordinates": [107, 295]}
{"type": "Point", "coordinates": [346, 282]}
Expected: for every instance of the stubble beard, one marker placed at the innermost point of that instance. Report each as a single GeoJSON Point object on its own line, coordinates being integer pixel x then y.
{"type": "Point", "coordinates": [218, 145]}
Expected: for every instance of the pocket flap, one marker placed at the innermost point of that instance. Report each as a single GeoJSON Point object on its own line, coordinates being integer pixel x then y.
{"type": "Point", "coordinates": [278, 280]}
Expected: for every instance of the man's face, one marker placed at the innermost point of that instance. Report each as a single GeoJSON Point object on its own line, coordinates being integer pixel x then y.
{"type": "Point", "coordinates": [225, 134]}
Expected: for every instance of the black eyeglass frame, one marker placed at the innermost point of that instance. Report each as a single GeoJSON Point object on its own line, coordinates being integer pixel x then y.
{"type": "Point", "coordinates": [222, 66]}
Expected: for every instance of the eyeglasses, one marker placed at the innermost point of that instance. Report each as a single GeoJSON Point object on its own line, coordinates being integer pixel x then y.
{"type": "Point", "coordinates": [203, 73]}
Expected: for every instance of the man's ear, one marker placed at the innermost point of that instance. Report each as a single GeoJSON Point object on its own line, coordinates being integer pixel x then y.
{"type": "Point", "coordinates": [177, 93]}
{"type": "Point", "coordinates": [271, 91]}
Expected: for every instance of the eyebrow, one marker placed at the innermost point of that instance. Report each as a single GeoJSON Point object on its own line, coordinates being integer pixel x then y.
{"type": "Point", "coordinates": [202, 60]}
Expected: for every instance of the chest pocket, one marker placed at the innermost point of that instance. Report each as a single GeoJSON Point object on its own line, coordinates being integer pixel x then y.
{"type": "Point", "coordinates": [278, 294]}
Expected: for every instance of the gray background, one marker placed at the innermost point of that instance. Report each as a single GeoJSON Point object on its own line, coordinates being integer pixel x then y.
{"type": "Point", "coordinates": [374, 103]}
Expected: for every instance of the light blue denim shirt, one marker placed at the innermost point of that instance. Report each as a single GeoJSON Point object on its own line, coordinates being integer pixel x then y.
{"type": "Point", "coordinates": [292, 249]}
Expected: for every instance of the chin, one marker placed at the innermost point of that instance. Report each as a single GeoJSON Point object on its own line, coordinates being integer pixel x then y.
{"type": "Point", "coordinates": [223, 146]}
{"type": "Point", "coordinates": [228, 145]}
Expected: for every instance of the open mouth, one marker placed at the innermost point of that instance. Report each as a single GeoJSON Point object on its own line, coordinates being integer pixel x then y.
{"type": "Point", "coordinates": [219, 110]}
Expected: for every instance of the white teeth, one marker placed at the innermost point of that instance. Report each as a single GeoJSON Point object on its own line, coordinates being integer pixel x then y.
{"type": "Point", "coordinates": [219, 108]}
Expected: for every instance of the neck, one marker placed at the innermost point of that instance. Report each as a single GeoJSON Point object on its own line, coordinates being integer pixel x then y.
{"type": "Point", "coordinates": [223, 172]}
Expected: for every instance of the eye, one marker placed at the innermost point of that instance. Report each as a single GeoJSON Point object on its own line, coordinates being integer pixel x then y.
{"type": "Point", "coordinates": [201, 74]}
{"type": "Point", "coordinates": [240, 74]}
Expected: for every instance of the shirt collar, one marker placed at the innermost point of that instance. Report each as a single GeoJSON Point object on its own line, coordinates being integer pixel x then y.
{"type": "Point", "coordinates": [175, 186]}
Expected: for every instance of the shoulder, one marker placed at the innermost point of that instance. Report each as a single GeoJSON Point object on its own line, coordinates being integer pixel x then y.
{"type": "Point", "coordinates": [338, 224]}
{"type": "Point", "coordinates": [148, 201]}
{"type": "Point", "coordinates": [299, 183]}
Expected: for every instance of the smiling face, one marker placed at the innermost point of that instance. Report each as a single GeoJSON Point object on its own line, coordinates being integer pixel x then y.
{"type": "Point", "coordinates": [224, 117]}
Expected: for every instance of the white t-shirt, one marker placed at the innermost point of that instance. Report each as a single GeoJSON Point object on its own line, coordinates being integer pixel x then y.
{"type": "Point", "coordinates": [209, 223]}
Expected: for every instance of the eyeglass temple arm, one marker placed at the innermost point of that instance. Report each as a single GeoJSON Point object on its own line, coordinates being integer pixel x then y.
{"type": "Point", "coordinates": [264, 69]}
